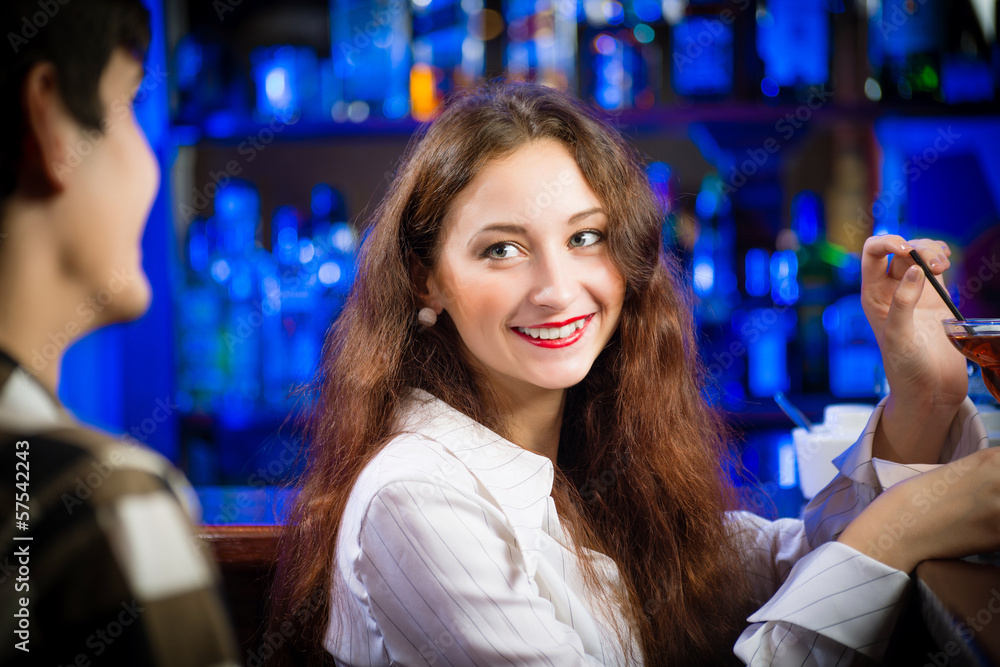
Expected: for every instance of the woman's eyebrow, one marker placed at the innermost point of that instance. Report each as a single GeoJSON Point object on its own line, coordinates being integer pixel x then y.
{"type": "Point", "coordinates": [512, 228]}
{"type": "Point", "coordinates": [583, 214]}
{"type": "Point", "coordinates": [505, 227]}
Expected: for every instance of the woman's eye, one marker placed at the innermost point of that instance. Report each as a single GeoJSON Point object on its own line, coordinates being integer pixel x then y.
{"type": "Point", "coordinates": [583, 239]}
{"type": "Point", "coordinates": [501, 250]}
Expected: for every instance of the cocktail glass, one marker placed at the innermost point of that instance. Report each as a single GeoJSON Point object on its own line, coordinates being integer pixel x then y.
{"type": "Point", "coordinates": [979, 340]}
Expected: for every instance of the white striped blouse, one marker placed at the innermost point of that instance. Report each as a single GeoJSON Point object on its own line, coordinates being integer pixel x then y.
{"type": "Point", "coordinates": [450, 552]}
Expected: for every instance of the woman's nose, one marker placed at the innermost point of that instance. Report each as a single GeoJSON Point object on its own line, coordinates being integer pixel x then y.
{"type": "Point", "coordinates": [554, 283]}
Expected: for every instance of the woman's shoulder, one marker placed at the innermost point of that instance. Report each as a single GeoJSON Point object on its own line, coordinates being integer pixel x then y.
{"type": "Point", "coordinates": [430, 445]}
{"type": "Point", "coordinates": [409, 460]}
{"type": "Point", "coordinates": [414, 457]}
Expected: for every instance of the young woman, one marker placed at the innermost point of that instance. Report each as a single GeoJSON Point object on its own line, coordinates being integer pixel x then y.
{"type": "Point", "coordinates": [512, 461]}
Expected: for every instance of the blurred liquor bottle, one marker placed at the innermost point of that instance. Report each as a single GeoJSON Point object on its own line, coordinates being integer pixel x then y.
{"type": "Point", "coordinates": [236, 267]}
{"type": "Point", "coordinates": [203, 85]}
{"type": "Point", "coordinates": [448, 50]}
{"type": "Point", "coordinates": [621, 53]}
{"type": "Point", "coordinates": [287, 83]}
{"type": "Point", "coordinates": [931, 50]}
{"type": "Point", "coordinates": [793, 42]}
{"type": "Point", "coordinates": [713, 52]}
{"type": "Point", "coordinates": [542, 42]}
{"type": "Point", "coordinates": [370, 50]}
{"type": "Point", "coordinates": [665, 184]}
{"type": "Point", "coordinates": [290, 341]}
{"type": "Point", "coordinates": [199, 305]}
{"type": "Point", "coordinates": [816, 278]}
{"type": "Point", "coordinates": [336, 243]}
{"type": "Point", "coordinates": [313, 269]}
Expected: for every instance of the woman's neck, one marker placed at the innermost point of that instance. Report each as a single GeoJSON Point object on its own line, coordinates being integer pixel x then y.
{"type": "Point", "coordinates": [534, 419]}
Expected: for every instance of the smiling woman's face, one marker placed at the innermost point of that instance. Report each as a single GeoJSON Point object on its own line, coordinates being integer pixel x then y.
{"type": "Point", "coordinates": [524, 271]}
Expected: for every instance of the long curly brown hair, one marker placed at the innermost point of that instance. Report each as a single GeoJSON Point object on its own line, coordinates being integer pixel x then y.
{"type": "Point", "coordinates": [642, 467]}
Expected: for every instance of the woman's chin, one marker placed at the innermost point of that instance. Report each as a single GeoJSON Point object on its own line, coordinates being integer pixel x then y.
{"type": "Point", "coordinates": [559, 380]}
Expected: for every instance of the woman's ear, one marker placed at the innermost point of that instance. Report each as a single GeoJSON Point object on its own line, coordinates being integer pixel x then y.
{"type": "Point", "coordinates": [49, 130]}
{"type": "Point", "coordinates": [426, 286]}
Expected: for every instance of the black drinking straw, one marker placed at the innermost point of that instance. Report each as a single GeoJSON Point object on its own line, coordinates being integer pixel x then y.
{"type": "Point", "coordinates": [942, 292]}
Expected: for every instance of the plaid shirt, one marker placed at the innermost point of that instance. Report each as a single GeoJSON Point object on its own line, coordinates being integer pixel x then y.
{"type": "Point", "coordinates": [113, 573]}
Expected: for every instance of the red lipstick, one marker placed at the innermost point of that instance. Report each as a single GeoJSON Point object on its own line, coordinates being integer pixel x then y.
{"type": "Point", "coordinates": [559, 342]}
{"type": "Point", "coordinates": [552, 325]}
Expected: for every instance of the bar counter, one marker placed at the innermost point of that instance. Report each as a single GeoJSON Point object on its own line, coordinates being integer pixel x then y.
{"type": "Point", "coordinates": [959, 601]}
{"type": "Point", "coordinates": [952, 617]}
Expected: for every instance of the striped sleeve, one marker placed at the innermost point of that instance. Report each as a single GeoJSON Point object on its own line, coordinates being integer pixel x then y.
{"type": "Point", "coordinates": [833, 603]}
{"type": "Point", "coordinates": [446, 583]}
{"type": "Point", "coordinates": [862, 477]}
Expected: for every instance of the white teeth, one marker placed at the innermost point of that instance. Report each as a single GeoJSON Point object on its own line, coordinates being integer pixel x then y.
{"type": "Point", "coordinates": [550, 333]}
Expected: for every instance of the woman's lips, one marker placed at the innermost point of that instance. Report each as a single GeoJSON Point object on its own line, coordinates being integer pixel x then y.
{"type": "Point", "coordinates": [553, 325]}
{"type": "Point", "coordinates": [556, 342]}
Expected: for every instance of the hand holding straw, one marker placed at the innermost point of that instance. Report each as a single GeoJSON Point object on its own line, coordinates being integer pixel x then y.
{"type": "Point", "coordinates": [937, 287]}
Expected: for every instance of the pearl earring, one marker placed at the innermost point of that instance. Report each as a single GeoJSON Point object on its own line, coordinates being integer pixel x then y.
{"type": "Point", "coordinates": [427, 317]}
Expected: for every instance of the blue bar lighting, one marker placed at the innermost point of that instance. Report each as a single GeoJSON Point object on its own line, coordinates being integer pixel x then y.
{"type": "Point", "coordinates": [806, 211]}
{"type": "Point", "coordinates": [784, 277]}
{"type": "Point", "coordinates": [793, 40]}
{"type": "Point", "coordinates": [854, 353]}
{"type": "Point", "coordinates": [758, 277]}
{"type": "Point", "coordinates": [767, 351]}
{"type": "Point", "coordinates": [702, 59]}
{"type": "Point", "coordinates": [786, 463]}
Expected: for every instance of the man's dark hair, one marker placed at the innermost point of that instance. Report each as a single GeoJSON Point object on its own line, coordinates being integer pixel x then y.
{"type": "Point", "coordinates": [78, 38]}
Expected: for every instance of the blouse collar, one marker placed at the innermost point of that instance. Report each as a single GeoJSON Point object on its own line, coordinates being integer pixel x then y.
{"type": "Point", "coordinates": [519, 480]}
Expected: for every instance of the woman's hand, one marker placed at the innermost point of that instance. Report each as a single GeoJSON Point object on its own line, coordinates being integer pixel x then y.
{"type": "Point", "coordinates": [927, 375]}
{"type": "Point", "coordinates": [949, 512]}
